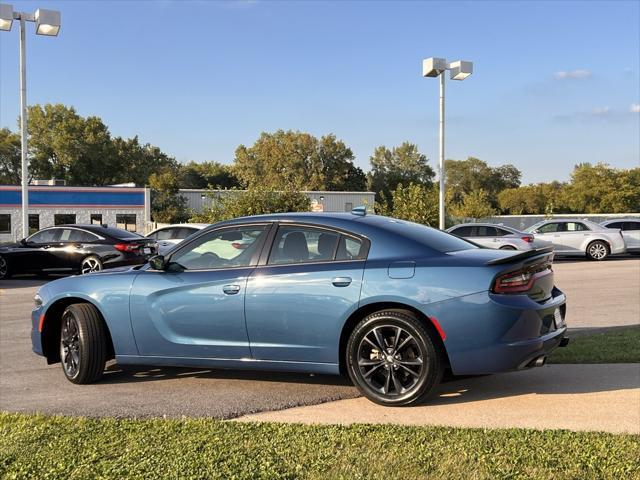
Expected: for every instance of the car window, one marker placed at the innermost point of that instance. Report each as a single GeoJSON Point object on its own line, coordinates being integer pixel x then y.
{"type": "Point", "coordinates": [631, 226]}
{"type": "Point", "coordinates": [229, 247]}
{"type": "Point", "coordinates": [501, 232]}
{"type": "Point", "coordinates": [166, 234]}
{"type": "Point", "coordinates": [484, 231]}
{"type": "Point", "coordinates": [45, 236]}
{"type": "Point", "coordinates": [575, 227]}
{"type": "Point", "coordinates": [303, 244]}
{"type": "Point", "coordinates": [620, 225]}
{"type": "Point", "coordinates": [74, 235]}
{"type": "Point", "coordinates": [350, 248]}
{"type": "Point", "coordinates": [462, 231]}
{"type": "Point", "coordinates": [184, 232]}
{"type": "Point", "coordinates": [550, 228]}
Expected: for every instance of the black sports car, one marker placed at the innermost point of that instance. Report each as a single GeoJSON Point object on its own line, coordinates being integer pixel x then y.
{"type": "Point", "coordinates": [75, 249]}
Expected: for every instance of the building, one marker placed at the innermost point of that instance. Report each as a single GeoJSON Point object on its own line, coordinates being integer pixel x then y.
{"type": "Point", "coordinates": [121, 207]}
{"type": "Point", "coordinates": [198, 200]}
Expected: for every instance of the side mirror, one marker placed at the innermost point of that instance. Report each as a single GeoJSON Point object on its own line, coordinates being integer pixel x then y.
{"type": "Point", "coordinates": [158, 262]}
{"type": "Point", "coordinates": [23, 241]}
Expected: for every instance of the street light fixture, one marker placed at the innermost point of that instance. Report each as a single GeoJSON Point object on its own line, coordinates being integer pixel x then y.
{"type": "Point", "coordinates": [458, 70]}
{"type": "Point", "coordinates": [48, 24]}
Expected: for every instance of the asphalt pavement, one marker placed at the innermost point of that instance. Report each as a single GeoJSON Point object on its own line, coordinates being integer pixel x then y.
{"type": "Point", "coordinates": [599, 295]}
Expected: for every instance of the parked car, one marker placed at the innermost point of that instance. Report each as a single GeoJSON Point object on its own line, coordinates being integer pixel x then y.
{"type": "Point", "coordinates": [169, 236]}
{"type": "Point", "coordinates": [579, 238]}
{"type": "Point", "coordinates": [391, 303]}
{"type": "Point", "coordinates": [494, 236]}
{"type": "Point", "coordinates": [630, 228]}
{"type": "Point", "coordinates": [74, 249]}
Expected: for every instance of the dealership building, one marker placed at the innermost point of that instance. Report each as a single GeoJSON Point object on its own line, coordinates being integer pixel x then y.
{"type": "Point", "coordinates": [122, 207]}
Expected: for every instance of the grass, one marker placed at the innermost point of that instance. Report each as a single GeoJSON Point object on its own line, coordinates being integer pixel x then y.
{"type": "Point", "coordinates": [620, 345]}
{"type": "Point", "coordinates": [36, 446]}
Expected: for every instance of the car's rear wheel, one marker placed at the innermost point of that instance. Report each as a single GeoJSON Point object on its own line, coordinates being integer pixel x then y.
{"type": "Point", "coordinates": [597, 250]}
{"type": "Point", "coordinates": [83, 343]}
{"type": "Point", "coordinates": [392, 358]}
{"type": "Point", "coordinates": [5, 272]}
{"type": "Point", "coordinates": [90, 264]}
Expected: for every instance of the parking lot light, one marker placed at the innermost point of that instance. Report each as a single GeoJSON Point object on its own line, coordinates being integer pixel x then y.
{"type": "Point", "coordinates": [458, 70]}
{"type": "Point", "coordinates": [48, 24]}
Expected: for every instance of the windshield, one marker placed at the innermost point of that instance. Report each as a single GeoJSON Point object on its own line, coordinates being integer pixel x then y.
{"type": "Point", "coordinates": [535, 226]}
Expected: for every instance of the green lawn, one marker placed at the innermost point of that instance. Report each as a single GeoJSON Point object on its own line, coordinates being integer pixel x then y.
{"type": "Point", "coordinates": [35, 446]}
{"type": "Point", "coordinates": [620, 345]}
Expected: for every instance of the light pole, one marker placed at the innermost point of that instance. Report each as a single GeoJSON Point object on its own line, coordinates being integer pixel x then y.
{"type": "Point", "coordinates": [47, 23]}
{"type": "Point", "coordinates": [459, 70]}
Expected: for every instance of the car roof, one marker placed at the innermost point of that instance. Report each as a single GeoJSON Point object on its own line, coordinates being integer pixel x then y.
{"type": "Point", "coordinates": [625, 219]}
{"type": "Point", "coordinates": [482, 224]}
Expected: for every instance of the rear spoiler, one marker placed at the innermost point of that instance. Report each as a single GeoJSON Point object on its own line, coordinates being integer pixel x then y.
{"type": "Point", "coordinates": [521, 256]}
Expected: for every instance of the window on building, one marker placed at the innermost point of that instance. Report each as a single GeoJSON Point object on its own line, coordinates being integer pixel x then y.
{"type": "Point", "coordinates": [64, 218]}
{"type": "Point", "coordinates": [126, 221]}
{"type": "Point", "coordinates": [34, 223]}
{"type": "Point", "coordinates": [5, 223]}
{"type": "Point", "coordinates": [96, 219]}
{"type": "Point", "coordinates": [348, 206]}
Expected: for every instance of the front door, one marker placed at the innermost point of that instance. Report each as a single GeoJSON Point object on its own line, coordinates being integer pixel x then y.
{"type": "Point", "coordinates": [297, 303]}
{"type": "Point", "coordinates": [552, 234]}
{"type": "Point", "coordinates": [195, 308]}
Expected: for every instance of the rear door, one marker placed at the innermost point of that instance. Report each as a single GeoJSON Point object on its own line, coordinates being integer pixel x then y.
{"type": "Point", "coordinates": [302, 292]}
{"type": "Point", "coordinates": [574, 236]}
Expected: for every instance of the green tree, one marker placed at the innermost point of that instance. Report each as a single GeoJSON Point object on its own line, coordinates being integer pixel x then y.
{"type": "Point", "coordinates": [207, 175]}
{"type": "Point", "coordinates": [138, 161]}
{"type": "Point", "coordinates": [533, 199]}
{"type": "Point", "coordinates": [400, 165]}
{"type": "Point", "coordinates": [288, 158]}
{"type": "Point", "coordinates": [475, 204]}
{"type": "Point", "coordinates": [414, 202]}
{"type": "Point", "coordinates": [254, 201]}
{"type": "Point", "coordinates": [10, 157]}
{"type": "Point", "coordinates": [470, 175]}
{"type": "Point", "coordinates": [167, 206]}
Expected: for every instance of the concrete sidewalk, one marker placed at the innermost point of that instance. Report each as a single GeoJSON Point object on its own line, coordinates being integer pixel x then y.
{"type": "Point", "coordinates": [574, 397]}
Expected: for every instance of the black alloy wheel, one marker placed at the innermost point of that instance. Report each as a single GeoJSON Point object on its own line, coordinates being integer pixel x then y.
{"type": "Point", "coordinates": [393, 359]}
{"type": "Point", "coordinates": [83, 343]}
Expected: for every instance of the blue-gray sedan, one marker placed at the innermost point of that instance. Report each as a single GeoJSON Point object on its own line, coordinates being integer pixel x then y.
{"type": "Point", "coordinates": [391, 303]}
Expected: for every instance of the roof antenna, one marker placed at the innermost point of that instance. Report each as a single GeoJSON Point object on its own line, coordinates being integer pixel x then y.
{"type": "Point", "coordinates": [361, 211]}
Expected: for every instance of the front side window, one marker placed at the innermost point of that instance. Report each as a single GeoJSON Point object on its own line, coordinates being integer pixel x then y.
{"type": "Point", "coordinates": [45, 236]}
{"type": "Point", "coordinates": [64, 218]}
{"type": "Point", "coordinates": [631, 226]}
{"type": "Point", "coordinates": [126, 221]}
{"type": "Point", "coordinates": [462, 231]}
{"type": "Point", "coordinates": [5, 223]}
{"type": "Point", "coordinates": [303, 244]}
{"type": "Point", "coordinates": [550, 228]}
{"type": "Point", "coordinates": [230, 247]}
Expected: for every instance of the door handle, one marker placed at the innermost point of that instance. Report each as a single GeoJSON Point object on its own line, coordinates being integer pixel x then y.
{"type": "Point", "coordinates": [46, 246]}
{"type": "Point", "coordinates": [231, 289]}
{"type": "Point", "coordinates": [341, 281]}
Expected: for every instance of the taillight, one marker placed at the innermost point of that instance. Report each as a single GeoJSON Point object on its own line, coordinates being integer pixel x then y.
{"type": "Point", "coordinates": [520, 280]}
{"type": "Point", "coordinates": [528, 238]}
{"type": "Point", "coordinates": [126, 247]}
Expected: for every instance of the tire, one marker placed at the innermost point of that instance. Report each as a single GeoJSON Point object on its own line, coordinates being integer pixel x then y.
{"type": "Point", "coordinates": [5, 271]}
{"type": "Point", "coordinates": [507, 247]}
{"type": "Point", "coordinates": [90, 264]}
{"type": "Point", "coordinates": [83, 343]}
{"type": "Point", "coordinates": [597, 250]}
{"type": "Point", "coordinates": [395, 378]}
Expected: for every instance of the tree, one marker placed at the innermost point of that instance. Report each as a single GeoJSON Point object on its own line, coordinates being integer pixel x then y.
{"type": "Point", "coordinates": [254, 201]}
{"type": "Point", "coordinates": [137, 162]}
{"type": "Point", "coordinates": [167, 205]}
{"type": "Point", "coordinates": [287, 158]}
{"type": "Point", "coordinates": [475, 204]}
{"type": "Point", "coordinates": [401, 165]}
{"type": "Point", "coordinates": [473, 174]}
{"type": "Point", "coordinates": [10, 157]}
{"type": "Point", "coordinates": [533, 199]}
{"type": "Point", "coordinates": [207, 175]}
{"type": "Point", "coordinates": [415, 203]}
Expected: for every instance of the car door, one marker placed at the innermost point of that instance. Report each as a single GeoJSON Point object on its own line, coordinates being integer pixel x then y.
{"type": "Point", "coordinates": [72, 247]}
{"type": "Point", "coordinates": [35, 254]}
{"type": "Point", "coordinates": [551, 233]}
{"type": "Point", "coordinates": [574, 235]}
{"type": "Point", "coordinates": [631, 234]}
{"type": "Point", "coordinates": [486, 236]}
{"type": "Point", "coordinates": [302, 292]}
{"type": "Point", "coordinates": [195, 307]}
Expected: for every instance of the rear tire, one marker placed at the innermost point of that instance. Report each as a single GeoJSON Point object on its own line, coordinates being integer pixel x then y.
{"type": "Point", "coordinates": [83, 343]}
{"type": "Point", "coordinates": [392, 358]}
{"type": "Point", "coordinates": [597, 250]}
{"type": "Point", "coordinates": [90, 264]}
{"type": "Point", "coordinates": [5, 271]}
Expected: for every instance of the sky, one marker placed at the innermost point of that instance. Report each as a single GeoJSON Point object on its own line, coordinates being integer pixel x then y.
{"type": "Point", "coordinates": [554, 83]}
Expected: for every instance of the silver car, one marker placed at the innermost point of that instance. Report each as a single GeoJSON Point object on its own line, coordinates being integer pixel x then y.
{"type": "Point", "coordinates": [495, 236]}
{"type": "Point", "coordinates": [630, 228]}
{"type": "Point", "coordinates": [579, 238]}
{"type": "Point", "coordinates": [171, 235]}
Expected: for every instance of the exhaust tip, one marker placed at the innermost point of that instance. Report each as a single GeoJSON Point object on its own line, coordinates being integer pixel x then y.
{"type": "Point", "coordinates": [540, 361]}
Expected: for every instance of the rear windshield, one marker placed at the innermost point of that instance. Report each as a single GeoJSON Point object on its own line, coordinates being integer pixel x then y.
{"type": "Point", "coordinates": [436, 239]}
{"type": "Point", "coordinates": [118, 233]}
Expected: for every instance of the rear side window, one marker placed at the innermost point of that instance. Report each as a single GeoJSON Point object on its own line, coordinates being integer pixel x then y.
{"type": "Point", "coordinates": [350, 248]}
{"type": "Point", "coordinates": [500, 232]}
{"type": "Point", "coordinates": [303, 244]}
{"type": "Point", "coordinates": [184, 232]}
{"type": "Point", "coordinates": [576, 227]}
{"type": "Point", "coordinates": [484, 231]}
{"type": "Point", "coordinates": [73, 235]}
{"type": "Point", "coordinates": [120, 234]}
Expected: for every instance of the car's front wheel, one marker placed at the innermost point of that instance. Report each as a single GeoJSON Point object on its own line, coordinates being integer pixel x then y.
{"type": "Point", "coordinates": [597, 250]}
{"type": "Point", "coordinates": [392, 358]}
{"type": "Point", "coordinates": [83, 343]}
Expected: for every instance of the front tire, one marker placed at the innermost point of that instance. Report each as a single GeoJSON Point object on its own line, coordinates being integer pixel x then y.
{"type": "Point", "coordinates": [392, 358]}
{"type": "Point", "coordinates": [597, 250]}
{"type": "Point", "coordinates": [83, 343]}
{"type": "Point", "coordinates": [5, 271]}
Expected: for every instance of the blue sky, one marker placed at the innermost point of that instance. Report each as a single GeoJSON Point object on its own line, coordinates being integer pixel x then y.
{"type": "Point", "coordinates": [554, 83]}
